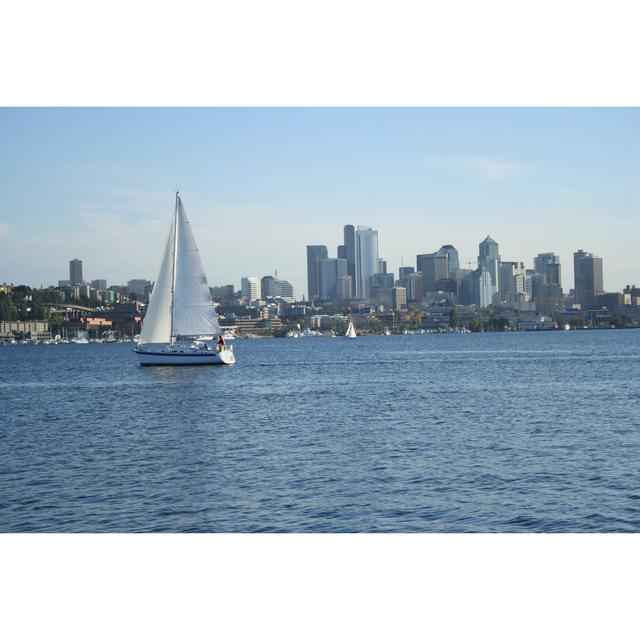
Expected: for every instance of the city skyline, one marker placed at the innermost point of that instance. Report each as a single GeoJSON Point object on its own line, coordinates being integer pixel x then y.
{"type": "Point", "coordinates": [271, 181]}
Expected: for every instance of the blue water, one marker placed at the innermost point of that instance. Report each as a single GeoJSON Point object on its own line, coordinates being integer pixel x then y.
{"type": "Point", "coordinates": [495, 432]}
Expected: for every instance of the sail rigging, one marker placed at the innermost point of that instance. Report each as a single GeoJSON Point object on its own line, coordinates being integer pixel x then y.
{"type": "Point", "coordinates": [180, 304]}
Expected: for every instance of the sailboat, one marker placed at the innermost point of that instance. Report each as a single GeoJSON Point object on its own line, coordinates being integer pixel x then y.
{"type": "Point", "coordinates": [351, 332]}
{"type": "Point", "coordinates": [181, 325]}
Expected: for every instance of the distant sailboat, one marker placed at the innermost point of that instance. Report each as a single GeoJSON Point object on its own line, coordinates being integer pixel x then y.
{"type": "Point", "coordinates": [351, 332]}
{"type": "Point", "coordinates": [181, 325]}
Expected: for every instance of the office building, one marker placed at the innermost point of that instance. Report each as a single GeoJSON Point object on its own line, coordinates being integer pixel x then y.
{"type": "Point", "coordinates": [315, 253]}
{"type": "Point", "coordinates": [276, 288]}
{"type": "Point", "coordinates": [366, 260]}
{"type": "Point", "coordinates": [483, 288]}
{"type": "Point", "coordinates": [223, 293]}
{"type": "Point", "coordinates": [433, 266]}
{"type": "Point", "coordinates": [99, 284]}
{"type": "Point", "coordinates": [404, 271]}
{"type": "Point", "coordinates": [349, 254]}
{"type": "Point", "coordinates": [265, 286]}
{"type": "Point", "coordinates": [489, 259]}
{"type": "Point", "coordinates": [138, 287]}
{"type": "Point", "coordinates": [587, 270]}
{"type": "Point", "coordinates": [414, 286]}
{"type": "Point", "coordinates": [250, 288]}
{"type": "Point", "coordinates": [453, 261]}
{"type": "Point", "coordinates": [382, 281]}
{"type": "Point", "coordinates": [75, 272]}
{"type": "Point", "coordinates": [549, 282]}
{"type": "Point", "coordinates": [509, 282]}
{"type": "Point", "coordinates": [399, 299]}
{"type": "Point", "coordinates": [344, 288]}
{"type": "Point", "coordinates": [331, 270]}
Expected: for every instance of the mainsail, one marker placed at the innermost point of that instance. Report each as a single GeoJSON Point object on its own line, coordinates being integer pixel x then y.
{"type": "Point", "coordinates": [180, 305]}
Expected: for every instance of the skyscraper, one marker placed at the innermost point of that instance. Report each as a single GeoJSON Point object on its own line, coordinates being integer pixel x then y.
{"type": "Point", "coordinates": [489, 258]}
{"type": "Point", "coordinates": [587, 270]}
{"type": "Point", "coordinates": [350, 255]}
{"type": "Point", "coordinates": [547, 266]}
{"type": "Point", "coordinates": [453, 261]}
{"type": "Point", "coordinates": [265, 286]}
{"type": "Point", "coordinates": [509, 283]}
{"type": "Point", "coordinates": [404, 271]}
{"type": "Point", "coordinates": [434, 266]}
{"type": "Point", "coordinates": [331, 270]}
{"type": "Point", "coordinates": [344, 288]}
{"type": "Point", "coordinates": [250, 288]}
{"type": "Point", "coordinates": [75, 272]}
{"type": "Point", "coordinates": [366, 259]}
{"type": "Point", "coordinates": [483, 288]}
{"type": "Point", "coordinates": [315, 253]}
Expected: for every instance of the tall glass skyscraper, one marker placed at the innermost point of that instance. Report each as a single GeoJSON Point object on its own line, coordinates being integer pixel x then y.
{"type": "Point", "coordinates": [453, 261]}
{"type": "Point", "coordinates": [349, 253]}
{"type": "Point", "coordinates": [366, 260]}
{"type": "Point", "coordinates": [489, 258]}
{"type": "Point", "coordinates": [315, 253]}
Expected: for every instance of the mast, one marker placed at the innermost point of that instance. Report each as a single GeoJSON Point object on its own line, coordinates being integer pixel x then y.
{"type": "Point", "coordinates": [175, 257]}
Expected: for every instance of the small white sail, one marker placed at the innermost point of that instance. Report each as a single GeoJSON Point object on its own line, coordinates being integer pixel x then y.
{"type": "Point", "coordinates": [351, 332]}
{"type": "Point", "coordinates": [156, 327]}
{"type": "Point", "coordinates": [193, 312]}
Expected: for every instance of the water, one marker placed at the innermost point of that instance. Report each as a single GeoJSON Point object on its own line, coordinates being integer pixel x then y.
{"type": "Point", "coordinates": [495, 432]}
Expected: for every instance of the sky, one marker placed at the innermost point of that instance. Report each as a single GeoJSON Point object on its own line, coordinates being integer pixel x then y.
{"type": "Point", "coordinates": [259, 184]}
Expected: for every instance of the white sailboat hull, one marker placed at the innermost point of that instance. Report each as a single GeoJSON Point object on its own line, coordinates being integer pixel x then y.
{"type": "Point", "coordinates": [182, 357]}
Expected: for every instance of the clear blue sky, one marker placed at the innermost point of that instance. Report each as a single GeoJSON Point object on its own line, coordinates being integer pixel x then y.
{"type": "Point", "coordinates": [261, 184]}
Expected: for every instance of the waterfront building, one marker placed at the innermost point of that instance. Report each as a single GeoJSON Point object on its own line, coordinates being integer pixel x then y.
{"type": "Point", "coordinates": [489, 259]}
{"type": "Point", "coordinates": [587, 270]}
{"type": "Point", "coordinates": [271, 287]}
{"type": "Point", "coordinates": [315, 253]}
{"type": "Point", "coordinates": [75, 272]}
{"type": "Point", "coordinates": [250, 288]}
{"type": "Point", "coordinates": [453, 261]}
{"type": "Point", "coordinates": [433, 266]}
{"type": "Point", "coordinates": [366, 260]}
{"type": "Point", "coordinates": [331, 270]}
